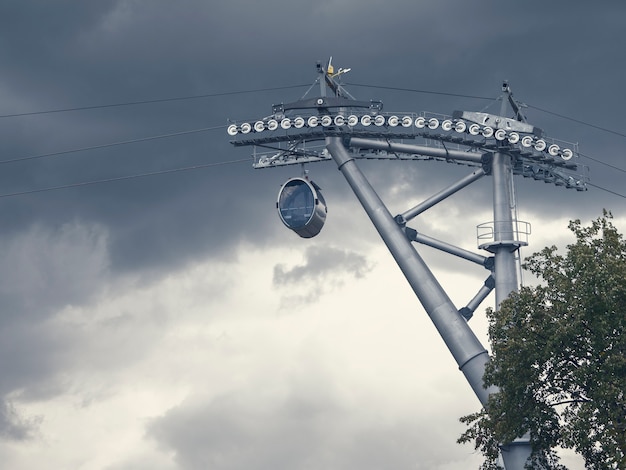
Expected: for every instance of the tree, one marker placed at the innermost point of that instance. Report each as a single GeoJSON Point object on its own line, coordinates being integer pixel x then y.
{"type": "Point", "coordinates": [559, 356]}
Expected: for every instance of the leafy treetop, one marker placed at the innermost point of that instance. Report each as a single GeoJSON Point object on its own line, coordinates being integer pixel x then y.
{"type": "Point", "coordinates": [559, 356]}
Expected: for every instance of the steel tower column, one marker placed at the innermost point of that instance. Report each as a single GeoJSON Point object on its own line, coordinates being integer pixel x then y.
{"type": "Point", "coordinates": [465, 347]}
{"type": "Point", "coordinates": [517, 453]}
{"type": "Point", "coordinates": [505, 244]}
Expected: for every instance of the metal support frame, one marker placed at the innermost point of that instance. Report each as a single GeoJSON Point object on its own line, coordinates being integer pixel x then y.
{"type": "Point", "coordinates": [430, 202]}
{"type": "Point", "coordinates": [517, 453]}
{"type": "Point", "coordinates": [485, 290]}
{"type": "Point", "coordinates": [417, 237]}
{"type": "Point", "coordinates": [469, 353]}
{"type": "Point", "coordinates": [457, 155]}
{"type": "Point", "coordinates": [499, 146]}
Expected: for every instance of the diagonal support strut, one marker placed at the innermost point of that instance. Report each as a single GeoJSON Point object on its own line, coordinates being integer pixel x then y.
{"type": "Point", "coordinates": [469, 353]}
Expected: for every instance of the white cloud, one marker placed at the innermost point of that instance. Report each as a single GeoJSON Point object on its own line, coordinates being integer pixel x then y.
{"type": "Point", "coordinates": [357, 375]}
{"type": "Point", "coordinates": [336, 367]}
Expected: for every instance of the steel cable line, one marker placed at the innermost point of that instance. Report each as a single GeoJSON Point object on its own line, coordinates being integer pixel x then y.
{"type": "Point", "coordinates": [209, 95]}
{"type": "Point", "coordinates": [175, 170]}
{"type": "Point", "coordinates": [601, 162]}
{"type": "Point", "coordinates": [174, 134]}
{"type": "Point", "coordinates": [605, 189]}
{"type": "Point", "coordinates": [413, 90]}
{"type": "Point", "coordinates": [212, 95]}
{"type": "Point", "coordinates": [577, 121]}
{"type": "Point", "coordinates": [122, 178]}
{"type": "Point", "coordinates": [161, 100]}
{"type": "Point", "coordinates": [460, 95]}
{"type": "Point", "coordinates": [154, 173]}
{"type": "Point", "coordinates": [112, 144]}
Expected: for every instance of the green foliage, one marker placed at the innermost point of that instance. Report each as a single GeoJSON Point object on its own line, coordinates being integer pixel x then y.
{"type": "Point", "coordinates": [559, 356]}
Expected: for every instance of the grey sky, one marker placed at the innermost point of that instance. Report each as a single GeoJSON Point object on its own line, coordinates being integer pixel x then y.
{"type": "Point", "coordinates": [117, 296]}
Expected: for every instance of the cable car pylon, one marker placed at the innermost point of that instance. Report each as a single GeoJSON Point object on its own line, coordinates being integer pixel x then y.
{"type": "Point", "coordinates": [336, 127]}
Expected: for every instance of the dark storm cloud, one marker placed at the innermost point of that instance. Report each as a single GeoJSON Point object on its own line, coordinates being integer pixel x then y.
{"type": "Point", "coordinates": [132, 50]}
{"type": "Point", "coordinates": [559, 56]}
{"type": "Point", "coordinates": [41, 272]}
{"type": "Point", "coordinates": [116, 53]}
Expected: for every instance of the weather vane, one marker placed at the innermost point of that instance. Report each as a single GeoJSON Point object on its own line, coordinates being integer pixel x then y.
{"type": "Point", "coordinates": [334, 126]}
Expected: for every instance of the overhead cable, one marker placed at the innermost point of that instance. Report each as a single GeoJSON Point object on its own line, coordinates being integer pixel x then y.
{"type": "Point", "coordinates": [162, 100]}
{"type": "Point", "coordinates": [122, 178]}
{"type": "Point", "coordinates": [459, 95]}
{"type": "Point", "coordinates": [578, 121]}
{"type": "Point", "coordinates": [413, 90]}
{"type": "Point", "coordinates": [112, 144]}
{"type": "Point", "coordinates": [601, 162]}
{"type": "Point", "coordinates": [607, 190]}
